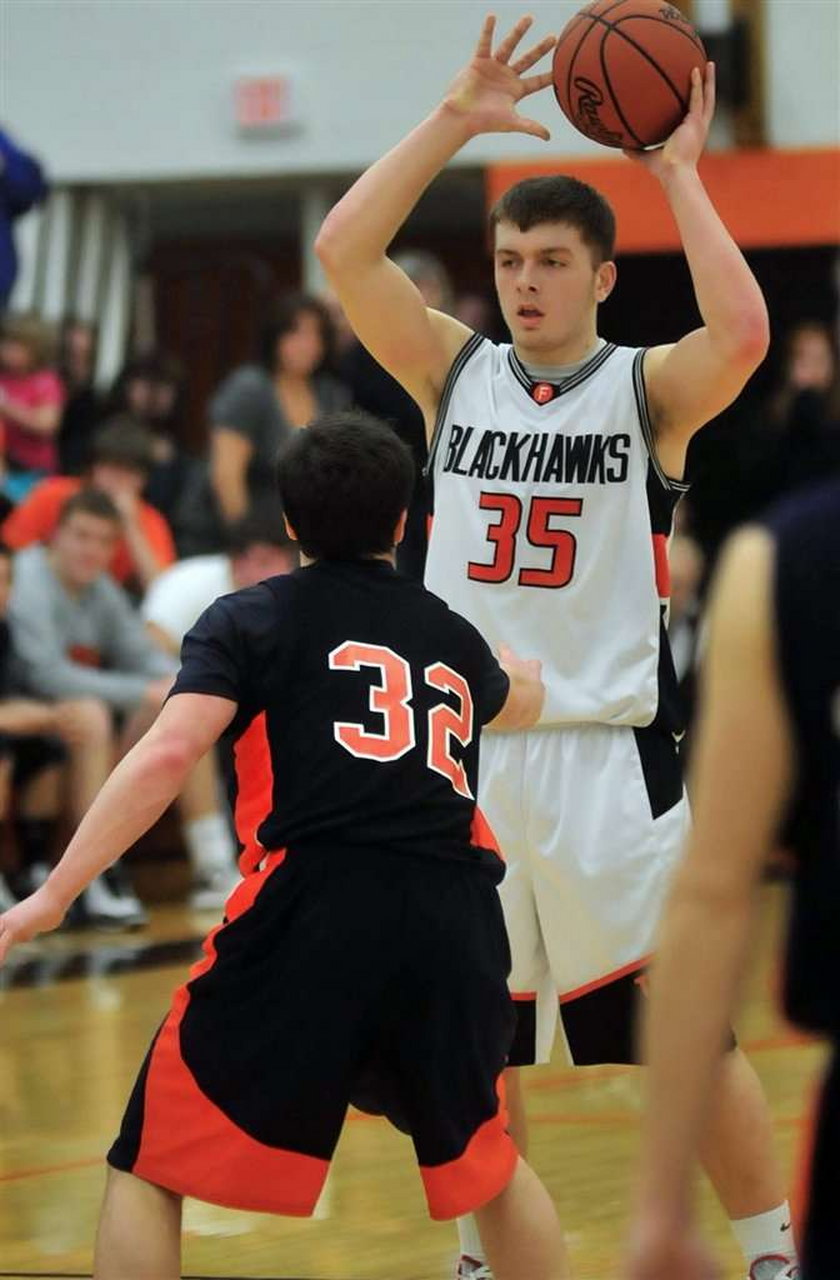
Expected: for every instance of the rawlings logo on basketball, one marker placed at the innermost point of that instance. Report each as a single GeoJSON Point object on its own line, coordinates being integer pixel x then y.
{"type": "Point", "coordinates": [586, 117]}
{"type": "Point", "coordinates": [670, 14]}
{"type": "Point", "coordinates": [543, 392]}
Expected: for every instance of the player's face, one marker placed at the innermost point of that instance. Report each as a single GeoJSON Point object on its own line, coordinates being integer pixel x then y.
{"type": "Point", "coordinates": [549, 288]}
{"type": "Point", "coordinates": [82, 548]}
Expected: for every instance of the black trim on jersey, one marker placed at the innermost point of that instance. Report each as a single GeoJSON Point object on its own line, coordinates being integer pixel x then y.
{"type": "Point", "coordinates": [568, 384]}
{"type": "Point", "coordinates": [466, 353]}
{"type": "Point", "coordinates": [667, 482]}
{"type": "Point", "coordinates": [670, 711]}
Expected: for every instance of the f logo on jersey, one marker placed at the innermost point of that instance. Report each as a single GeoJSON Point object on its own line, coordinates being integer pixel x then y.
{"type": "Point", "coordinates": [542, 392]}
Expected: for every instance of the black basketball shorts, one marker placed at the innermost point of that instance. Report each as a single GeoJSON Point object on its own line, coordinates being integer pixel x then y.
{"type": "Point", "coordinates": [337, 977]}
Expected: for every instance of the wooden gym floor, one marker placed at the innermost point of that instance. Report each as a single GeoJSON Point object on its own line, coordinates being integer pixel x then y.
{"type": "Point", "coordinates": [77, 1012]}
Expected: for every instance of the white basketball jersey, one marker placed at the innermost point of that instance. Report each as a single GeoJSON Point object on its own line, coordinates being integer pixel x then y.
{"type": "Point", "coordinates": [551, 515]}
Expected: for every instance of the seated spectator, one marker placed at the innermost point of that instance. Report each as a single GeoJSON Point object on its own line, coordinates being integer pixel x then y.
{"type": "Point", "coordinates": [258, 548]}
{"type": "Point", "coordinates": [31, 401]}
{"type": "Point", "coordinates": [77, 635]}
{"type": "Point", "coordinates": [41, 740]}
{"type": "Point", "coordinates": [120, 463]}
{"type": "Point", "coordinates": [150, 390]}
{"type": "Point", "coordinates": [82, 408]}
{"type": "Point", "coordinates": [258, 405]}
{"type": "Point", "coordinates": [374, 390]}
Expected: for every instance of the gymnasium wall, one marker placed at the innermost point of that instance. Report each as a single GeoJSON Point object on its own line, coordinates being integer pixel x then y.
{"type": "Point", "coordinates": [139, 90]}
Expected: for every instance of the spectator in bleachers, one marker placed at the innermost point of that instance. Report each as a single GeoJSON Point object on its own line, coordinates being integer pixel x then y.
{"type": "Point", "coordinates": [31, 402]}
{"type": "Point", "coordinates": [150, 389]}
{"type": "Point", "coordinates": [40, 741]}
{"type": "Point", "coordinates": [76, 634]}
{"type": "Point", "coordinates": [22, 186]}
{"type": "Point", "coordinates": [374, 390]}
{"type": "Point", "coordinates": [258, 405]}
{"type": "Point", "coordinates": [82, 407]}
{"type": "Point", "coordinates": [120, 464]}
{"type": "Point", "coordinates": [258, 548]}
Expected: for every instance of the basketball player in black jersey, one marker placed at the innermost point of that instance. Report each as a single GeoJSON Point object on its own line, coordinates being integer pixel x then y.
{"type": "Point", "coordinates": [767, 774]}
{"type": "Point", "coordinates": [367, 925]}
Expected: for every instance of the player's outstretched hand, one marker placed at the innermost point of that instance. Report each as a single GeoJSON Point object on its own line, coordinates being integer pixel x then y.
{"type": "Point", "coordinates": [685, 145]}
{"type": "Point", "coordinates": [486, 92]}
{"type": "Point", "coordinates": [656, 1253]}
{"type": "Point", "coordinates": [38, 913]}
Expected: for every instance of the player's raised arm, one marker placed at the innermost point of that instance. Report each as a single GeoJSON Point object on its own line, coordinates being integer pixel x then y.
{"type": "Point", "coordinates": [743, 776]}
{"type": "Point", "coordinates": [385, 309]}
{"type": "Point", "coordinates": [143, 784]}
{"type": "Point", "coordinates": [696, 378]}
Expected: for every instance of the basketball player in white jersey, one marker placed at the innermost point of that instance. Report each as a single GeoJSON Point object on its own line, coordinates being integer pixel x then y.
{"type": "Point", "coordinates": [556, 465]}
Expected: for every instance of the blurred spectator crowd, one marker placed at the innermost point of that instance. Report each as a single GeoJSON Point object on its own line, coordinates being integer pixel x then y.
{"type": "Point", "coordinates": [114, 537]}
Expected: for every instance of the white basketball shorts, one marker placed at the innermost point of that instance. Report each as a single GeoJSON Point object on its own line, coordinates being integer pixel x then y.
{"type": "Point", "coordinates": [590, 820]}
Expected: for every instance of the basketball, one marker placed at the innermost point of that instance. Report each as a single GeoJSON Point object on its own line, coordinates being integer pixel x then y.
{"type": "Point", "coordinates": [622, 71]}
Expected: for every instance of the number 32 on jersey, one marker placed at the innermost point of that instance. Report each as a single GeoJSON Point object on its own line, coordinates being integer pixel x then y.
{"type": "Point", "coordinates": [391, 696]}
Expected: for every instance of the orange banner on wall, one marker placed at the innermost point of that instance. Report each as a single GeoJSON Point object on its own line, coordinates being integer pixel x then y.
{"type": "Point", "coordinates": [767, 198]}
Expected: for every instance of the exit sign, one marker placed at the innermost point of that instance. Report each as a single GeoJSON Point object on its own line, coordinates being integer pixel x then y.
{"type": "Point", "coordinates": [263, 104]}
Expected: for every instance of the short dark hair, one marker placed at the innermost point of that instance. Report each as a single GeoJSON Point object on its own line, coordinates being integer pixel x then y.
{"type": "Point", "coordinates": [282, 319]}
{"type": "Point", "coordinates": [559, 198]}
{"type": "Point", "coordinates": [344, 483]}
{"type": "Point", "coordinates": [259, 528]}
{"type": "Point", "coordinates": [89, 502]}
{"type": "Point", "coordinates": [122, 441]}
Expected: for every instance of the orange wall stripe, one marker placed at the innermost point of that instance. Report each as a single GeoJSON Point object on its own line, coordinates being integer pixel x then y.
{"type": "Point", "coordinates": [767, 198]}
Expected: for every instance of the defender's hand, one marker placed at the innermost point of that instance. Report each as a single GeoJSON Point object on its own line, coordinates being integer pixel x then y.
{"type": "Point", "coordinates": [685, 145]}
{"type": "Point", "coordinates": [38, 913]}
{"type": "Point", "coordinates": [486, 92]}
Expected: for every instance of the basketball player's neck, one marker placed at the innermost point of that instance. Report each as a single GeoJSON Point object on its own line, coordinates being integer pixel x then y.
{"type": "Point", "coordinates": [575, 350]}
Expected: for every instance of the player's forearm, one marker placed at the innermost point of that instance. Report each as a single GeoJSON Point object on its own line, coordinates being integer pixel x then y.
{"type": "Point", "coordinates": [728, 296]}
{"type": "Point", "coordinates": [141, 787]}
{"type": "Point", "coordinates": [698, 966]}
{"type": "Point", "coordinates": [364, 222]}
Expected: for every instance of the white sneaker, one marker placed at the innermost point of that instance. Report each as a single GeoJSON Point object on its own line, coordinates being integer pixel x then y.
{"type": "Point", "coordinates": [472, 1269]}
{"type": "Point", "coordinates": [773, 1266]}
{"type": "Point", "coordinates": [211, 889]}
{"type": "Point", "coordinates": [109, 903]}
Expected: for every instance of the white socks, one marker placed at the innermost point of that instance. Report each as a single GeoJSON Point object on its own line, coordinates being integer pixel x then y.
{"type": "Point", "coordinates": [471, 1244]}
{"type": "Point", "coordinates": [766, 1233]}
{"type": "Point", "coordinates": [210, 844]}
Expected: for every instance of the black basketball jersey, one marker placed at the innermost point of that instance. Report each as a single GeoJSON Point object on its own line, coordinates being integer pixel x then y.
{"type": "Point", "coordinates": [807, 615]}
{"type": "Point", "coordinates": [360, 700]}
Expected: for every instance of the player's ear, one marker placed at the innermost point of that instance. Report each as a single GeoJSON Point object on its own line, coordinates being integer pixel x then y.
{"type": "Point", "coordinates": [399, 532]}
{"type": "Point", "coordinates": [289, 530]}
{"type": "Point", "coordinates": [605, 277]}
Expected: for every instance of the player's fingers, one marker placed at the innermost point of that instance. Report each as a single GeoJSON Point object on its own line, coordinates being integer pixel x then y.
{"type": "Point", "coordinates": [511, 40]}
{"type": "Point", "coordinates": [533, 55]}
{"type": "Point", "coordinates": [531, 84]}
{"type": "Point", "coordinates": [532, 127]}
{"type": "Point", "coordinates": [484, 48]}
{"type": "Point", "coordinates": [709, 93]}
{"type": "Point", "coordinates": [695, 101]}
